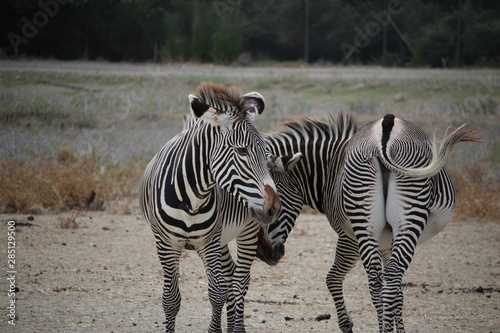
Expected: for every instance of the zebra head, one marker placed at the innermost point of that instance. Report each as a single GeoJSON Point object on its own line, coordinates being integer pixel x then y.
{"type": "Point", "coordinates": [238, 156]}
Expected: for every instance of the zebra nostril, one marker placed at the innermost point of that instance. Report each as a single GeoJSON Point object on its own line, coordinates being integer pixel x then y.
{"type": "Point", "coordinates": [271, 211]}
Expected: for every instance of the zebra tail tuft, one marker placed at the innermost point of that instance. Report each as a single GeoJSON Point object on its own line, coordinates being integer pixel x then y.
{"type": "Point", "coordinates": [470, 135]}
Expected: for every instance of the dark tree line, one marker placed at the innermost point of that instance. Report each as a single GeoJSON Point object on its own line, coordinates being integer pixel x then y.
{"type": "Point", "coordinates": [434, 33]}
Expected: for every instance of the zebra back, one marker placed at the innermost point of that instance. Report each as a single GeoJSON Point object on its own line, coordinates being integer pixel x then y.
{"type": "Point", "coordinates": [404, 148]}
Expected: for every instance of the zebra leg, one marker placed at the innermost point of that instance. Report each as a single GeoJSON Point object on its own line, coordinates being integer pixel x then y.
{"type": "Point", "coordinates": [392, 292]}
{"type": "Point", "coordinates": [171, 300]}
{"type": "Point", "coordinates": [372, 262]}
{"type": "Point", "coordinates": [346, 257]}
{"type": "Point", "coordinates": [228, 267]}
{"type": "Point", "coordinates": [364, 202]}
{"type": "Point", "coordinates": [217, 287]}
{"type": "Point", "coordinates": [247, 250]}
{"type": "Point", "coordinates": [407, 212]}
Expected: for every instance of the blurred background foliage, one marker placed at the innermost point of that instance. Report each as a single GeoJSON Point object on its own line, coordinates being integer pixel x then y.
{"type": "Point", "coordinates": [445, 33]}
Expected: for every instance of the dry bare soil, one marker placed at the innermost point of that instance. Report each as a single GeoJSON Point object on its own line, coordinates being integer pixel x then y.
{"type": "Point", "coordinates": [104, 276]}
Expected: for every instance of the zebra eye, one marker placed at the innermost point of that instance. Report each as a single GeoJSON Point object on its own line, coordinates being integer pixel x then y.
{"type": "Point", "coordinates": [243, 151]}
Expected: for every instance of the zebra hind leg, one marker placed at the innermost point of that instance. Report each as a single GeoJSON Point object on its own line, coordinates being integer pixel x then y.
{"type": "Point", "coordinates": [346, 257]}
{"type": "Point", "coordinates": [217, 287]}
{"type": "Point", "coordinates": [171, 299]}
{"type": "Point", "coordinates": [392, 292]}
{"type": "Point", "coordinates": [407, 213]}
{"type": "Point", "coordinates": [372, 261]}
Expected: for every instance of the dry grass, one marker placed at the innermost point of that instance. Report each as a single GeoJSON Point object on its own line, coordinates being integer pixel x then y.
{"type": "Point", "coordinates": [478, 195]}
{"type": "Point", "coordinates": [70, 183]}
{"type": "Point", "coordinates": [37, 187]}
{"type": "Point", "coordinates": [78, 184]}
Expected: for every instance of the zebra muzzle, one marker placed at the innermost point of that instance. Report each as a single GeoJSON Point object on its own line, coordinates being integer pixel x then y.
{"type": "Point", "coordinates": [263, 215]}
{"type": "Point", "coordinates": [271, 208]}
{"type": "Point", "coordinates": [267, 252]}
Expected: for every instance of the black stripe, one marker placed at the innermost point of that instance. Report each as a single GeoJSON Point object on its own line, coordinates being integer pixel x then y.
{"type": "Point", "coordinates": [387, 125]}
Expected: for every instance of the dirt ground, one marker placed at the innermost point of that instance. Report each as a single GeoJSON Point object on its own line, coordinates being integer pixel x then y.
{"type": "Point", "coordinates": [104, 276]}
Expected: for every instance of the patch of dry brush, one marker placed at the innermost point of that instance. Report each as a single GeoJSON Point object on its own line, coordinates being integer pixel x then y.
{"type": "Point", "coordinates": [36, 186]}
{"type": "Point", "coordinates": [478, 194]}
{"type": "Point", "coordinates": [72, 183]}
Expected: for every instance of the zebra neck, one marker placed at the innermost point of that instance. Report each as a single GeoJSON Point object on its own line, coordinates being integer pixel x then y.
{"type": "Point", "coordinates": [189, 174]}
{"type": "Point", "coordinates": [197, 193]}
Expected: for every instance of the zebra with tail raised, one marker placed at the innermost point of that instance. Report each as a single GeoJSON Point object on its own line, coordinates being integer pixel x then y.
{"type": "Point", "coordinates": [384, 190]}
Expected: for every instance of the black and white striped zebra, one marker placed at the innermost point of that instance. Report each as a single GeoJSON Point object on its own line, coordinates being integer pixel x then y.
{"type": "Point", "coordinates": [246, 234]}
{"type": "Point", "coordinates": [179, 197]}
{"type": "Point", "coordinates": [321, 144]}
{"type": "Point", "coordinates": [303, 147]}
{"type": "Point", "coordinates": [392, 194]}
{"type": "Point", "coordinates": [383, 189]}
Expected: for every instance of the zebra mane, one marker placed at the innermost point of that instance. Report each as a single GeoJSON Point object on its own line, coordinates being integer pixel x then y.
{"type": "Point", "coordinates": [188, 121]}
{"type": "Point", "coordinates": [340, 126]}
{"type": "Point", "coordinates": [219, 96]}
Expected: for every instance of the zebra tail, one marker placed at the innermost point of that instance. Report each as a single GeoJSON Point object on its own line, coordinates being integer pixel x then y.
{"type": "Point", "coordinates": [440, 149]}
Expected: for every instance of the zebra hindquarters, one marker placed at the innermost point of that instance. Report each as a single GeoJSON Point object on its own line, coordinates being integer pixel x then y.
{"type": "Point", "coordinates": [407, 211]}
{"type": "Point", "coordinates": [443, 205]}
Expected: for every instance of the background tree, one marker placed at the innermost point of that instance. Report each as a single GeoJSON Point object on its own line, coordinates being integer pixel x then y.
{"type": "Point", "coordinates": [423, 33]}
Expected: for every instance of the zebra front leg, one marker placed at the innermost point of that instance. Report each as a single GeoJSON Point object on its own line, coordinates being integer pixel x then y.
{"type": "Point", "coordinates": [247, 250]}
{"type": "Point", "coordinates": [217, 287]}
{"type": "Point", "coordinates": [228, 267]}
{"type": "Point", "coordinates": [171, 300]}
{"type": "Point", "coordinates": [346, 257]}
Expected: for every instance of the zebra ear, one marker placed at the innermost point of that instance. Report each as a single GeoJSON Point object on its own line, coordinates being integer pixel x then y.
{"type": "Point", "coordinates": [197, 107]}
{"type": "Point", "coordinates": [253, 101]}
{"type": "Point", "coordinates": [283, 163]}
{"type": "Point", "coordinates": [207, 112]}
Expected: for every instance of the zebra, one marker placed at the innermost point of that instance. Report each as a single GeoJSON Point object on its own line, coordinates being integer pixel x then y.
{"type": "Point", "coordinates": [222, 152]}
{"type": "Point", "coordinates": [384, 190]}
{"type": "Point", "coordinates": [393, 193]}
{"type": "Point", "coordinates": [296, 175]}
{"type": "Point", "coordinates": [321, 144]}
{"type": "Point", "coordinates": [247, 239]}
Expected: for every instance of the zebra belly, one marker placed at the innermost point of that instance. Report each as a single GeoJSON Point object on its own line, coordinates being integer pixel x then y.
{"type": "Point", "coordinates": [437, 221]}
{"type": "Point", "coordinates": [231, 230]}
